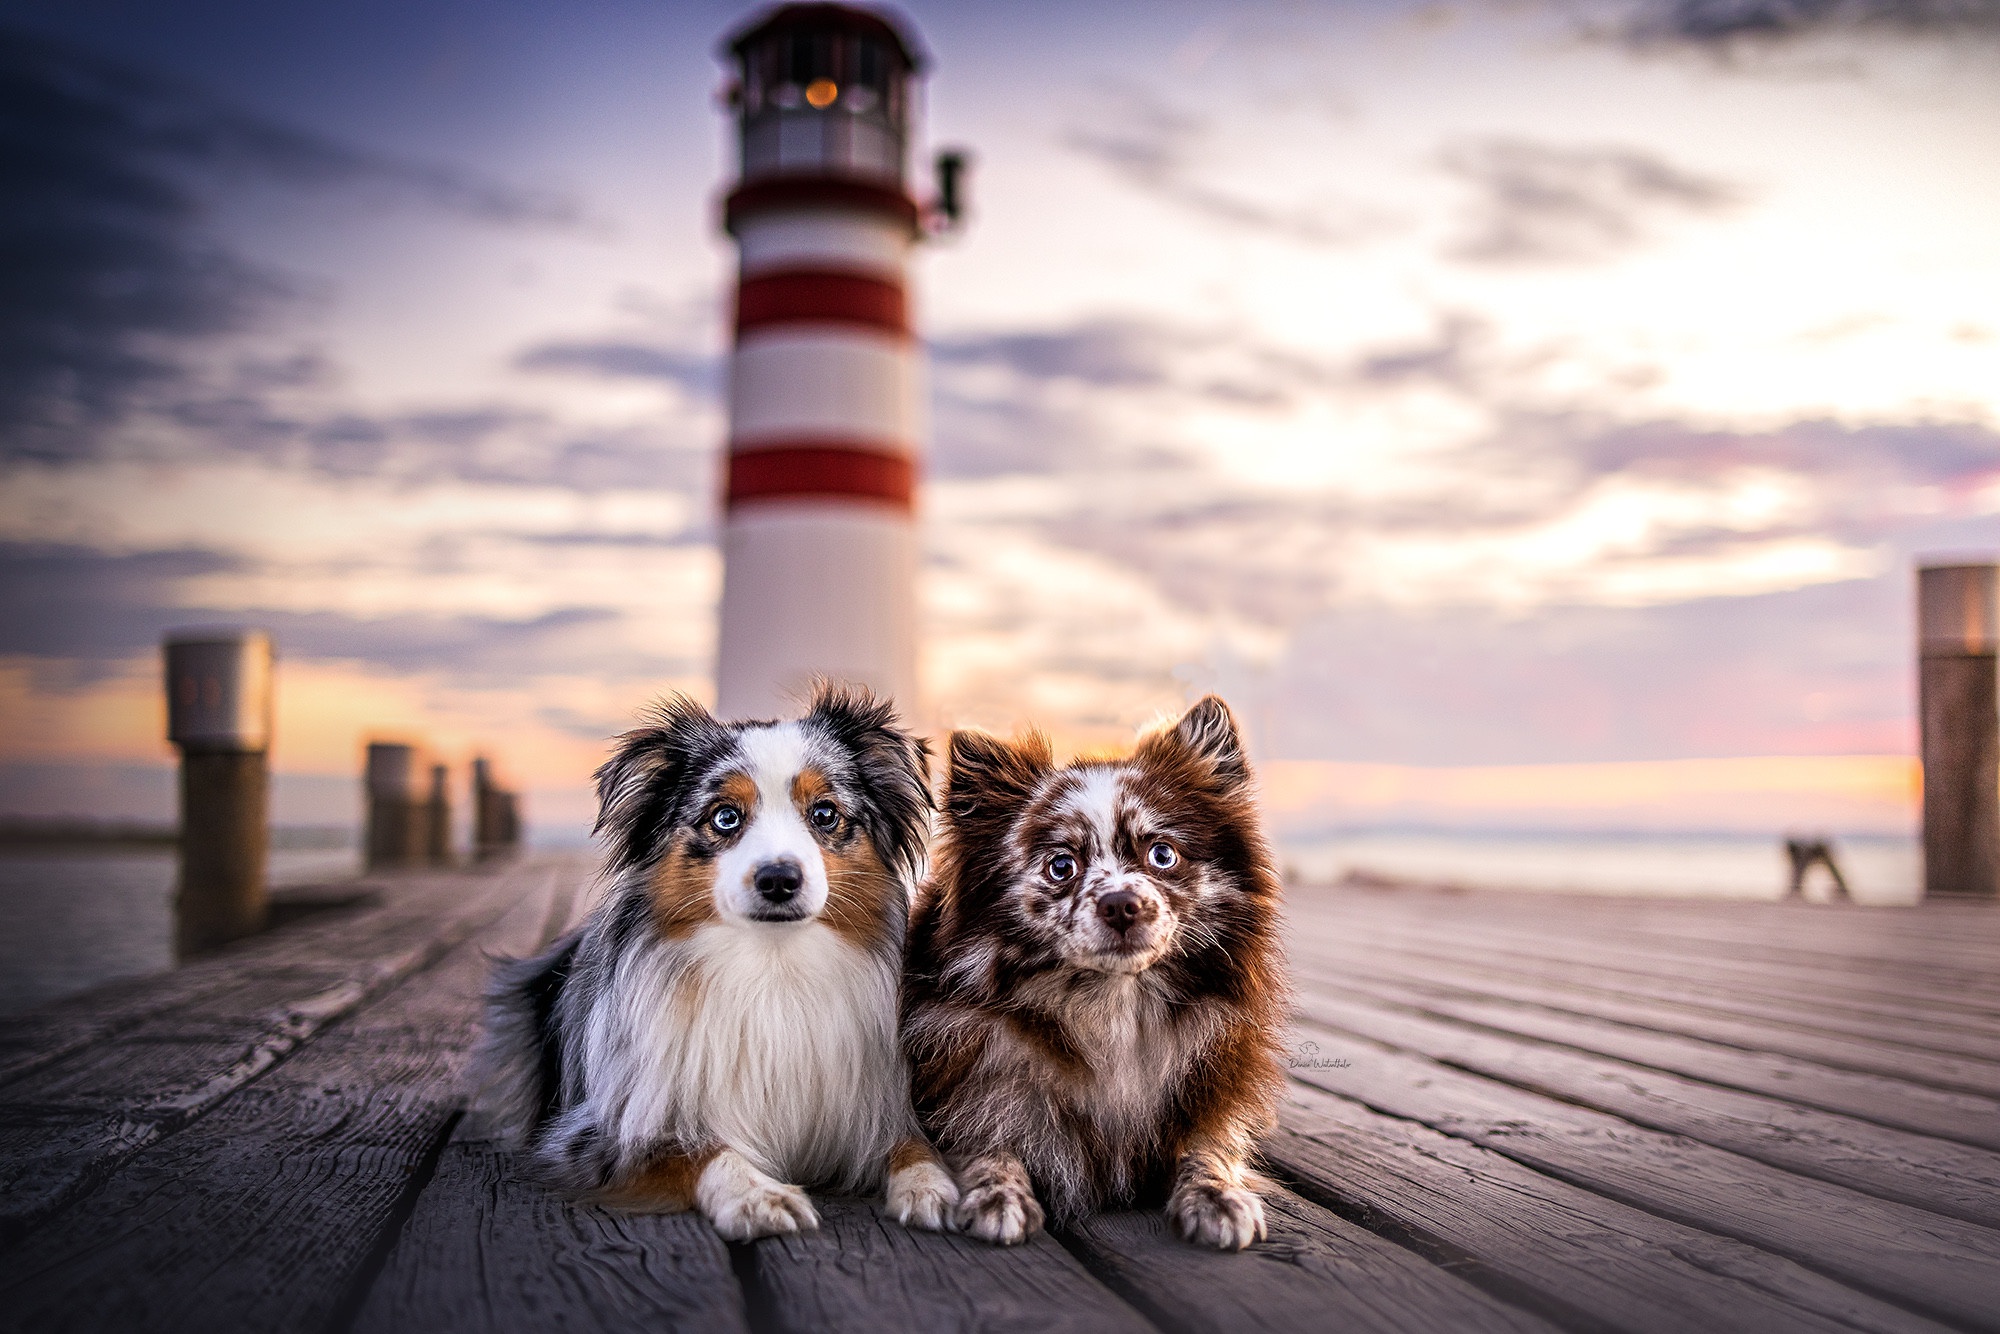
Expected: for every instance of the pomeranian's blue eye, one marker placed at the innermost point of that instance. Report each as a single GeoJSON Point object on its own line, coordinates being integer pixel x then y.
{"type": "Point", "coordinates": [1060, 867]}
{"type": "Point", "coordinates": [824, 815]}
{"type": "Point", "coordinates": [1162, 857]}
{"type": "Point", "coordinates": [726, 819]}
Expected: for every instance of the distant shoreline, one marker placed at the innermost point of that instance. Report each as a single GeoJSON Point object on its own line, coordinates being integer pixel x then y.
{"type": "Point", "coordinates": [105, 835]}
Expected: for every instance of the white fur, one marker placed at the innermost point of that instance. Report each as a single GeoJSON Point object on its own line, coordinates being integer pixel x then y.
{"type": "Point", "coordinates": [775, 830]}
{"type": "Point", "coordinates": [922, 1195]}
{"type": "Point", "coordinates": [776, 1039]}
{"type": "Point", "coordinates": [745, 1204]}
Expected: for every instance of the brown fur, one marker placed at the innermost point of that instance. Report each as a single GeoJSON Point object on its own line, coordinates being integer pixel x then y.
{"type": "Point", "coordinates": [912, 1152]}
{"type": "Point", "coordinates": [859, 891]}
{"type": "Point", "coordinates": [682, 897]}
{"type": "Point", "coordinates": [665, 1185]}
{"type": "Point", "coordinates": [1102, 1078]}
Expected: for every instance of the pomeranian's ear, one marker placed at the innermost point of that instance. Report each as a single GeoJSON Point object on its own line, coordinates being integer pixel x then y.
{"type": "Point", "coordinates": [990, 776]}
{"type": "Point", "coordinates": [641, 787]}
{"type": "Point", "coordinates": [1208, 732]}
{"type": "Point", "coordinates": [893, 765]}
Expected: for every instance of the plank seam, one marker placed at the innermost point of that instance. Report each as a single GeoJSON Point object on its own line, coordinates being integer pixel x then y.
{"type": "Point", "coordinates": [1715, 1080]}
{"type": "Point", "coordinates": [1636, 1201]}
{"type": "Point", "coordinates": [298, 1022]}
{"type": "Point", "coordinates": [1435, 1251]}
{"type": "Point", "coordinates": [369, 1271]}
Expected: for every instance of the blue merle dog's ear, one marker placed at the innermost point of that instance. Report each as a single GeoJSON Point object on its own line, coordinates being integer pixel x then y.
{"type": "Point", "coordinates": [893, 767]}
{"type": "Point", "coordinates": [641, 788]}
{"type": "Point", "coordinates": [991, 778]}
{"type": "Point", "coordinates": [1208, 732]}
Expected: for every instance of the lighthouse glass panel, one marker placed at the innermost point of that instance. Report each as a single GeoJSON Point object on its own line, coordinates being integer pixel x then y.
{"type": "Point", "coordinates": [857, 131]}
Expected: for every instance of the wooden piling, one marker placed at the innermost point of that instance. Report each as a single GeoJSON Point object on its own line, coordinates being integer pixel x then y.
{"type": "Point", "coordinates": [496, 814]}
{"type": "Point", "coordinates": [437, 818]}
{"type": "Point", "coordinates": [219, 715]}
{"type": "Point", "coordinates": [1959, 699]}
{"type": "Point", "coordinates": [398, 819]}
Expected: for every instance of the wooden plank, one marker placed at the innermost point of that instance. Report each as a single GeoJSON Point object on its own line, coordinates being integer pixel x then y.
{"type": "Point", "coordinates": [56, 1144]}
{"type": "Point", "coordinates": [1898, 1060]}
{"type": "Point", "coordinates": [1968, 1118]}
{"type": "Point", "coordinates": [484, 1250]}
{"type": "Point", "coordinates": [1819, 999]}
{"type": "Point", "coordinates": [1586, 1262]}
{"type": "Point", "coordinates": [1831, 1049]}
{"type": "Point", "coordinates": [1621, 930]}
{"type": "Point", "coordinates": [1918, 1170]}
{"type": "Point", "coordinates": [1922, 1260]}
{"type": "Point", "coordinates": [1315, 1271]}
{"type": "Point", "coordinates": [264, 1211]}
{"type": "Point", "coordinates": [1585, 975]}
{"type": "Point", "coordinates": [863, 1272]}
{"type": "Point", "coordinates": [238, 984]}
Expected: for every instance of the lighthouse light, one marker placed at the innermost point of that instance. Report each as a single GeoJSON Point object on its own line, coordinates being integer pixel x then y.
{"type": "Point", "coordinates": [821, 92]}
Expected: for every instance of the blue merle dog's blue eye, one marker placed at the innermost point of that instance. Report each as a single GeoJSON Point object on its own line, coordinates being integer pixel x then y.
{"type": "Point", "coordinates": [1162, 857]}
{"type": "Point", "coordinates": [1060, 868]}
{"type": "Point", "coordinates": [726, 819]}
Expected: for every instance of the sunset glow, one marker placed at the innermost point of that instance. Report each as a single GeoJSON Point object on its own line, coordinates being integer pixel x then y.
{"type": "Point", "coordinates": [1516, 422]}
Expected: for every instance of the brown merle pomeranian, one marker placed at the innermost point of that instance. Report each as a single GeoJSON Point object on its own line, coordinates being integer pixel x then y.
{"type": "Point", "coordinates": [1094, 992]}
{"type": "Point", "coordinates": [722, 1030]}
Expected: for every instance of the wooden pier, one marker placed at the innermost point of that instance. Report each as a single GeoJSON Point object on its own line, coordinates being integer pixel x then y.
{"type": "Point", "coordinates": [1509, 1112]}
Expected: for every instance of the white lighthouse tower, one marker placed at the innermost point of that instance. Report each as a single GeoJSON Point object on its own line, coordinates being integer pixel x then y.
{"type": "Point", "coordinates": [825, 429]}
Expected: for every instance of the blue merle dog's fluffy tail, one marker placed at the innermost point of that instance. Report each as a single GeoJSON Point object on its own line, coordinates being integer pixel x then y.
{"type": "Point", "coordinates": [521, 1057]}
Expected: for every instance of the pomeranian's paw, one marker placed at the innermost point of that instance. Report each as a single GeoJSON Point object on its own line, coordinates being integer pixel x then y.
{"type": "Point", "coordinates": [745, 1204]}
{"type": "Point", "coordinates": [1225, 1217]}
{"type": "Point", "coordinates": [922, 1195]}
{"type": "Point", "coordinates": [1003, 1213]}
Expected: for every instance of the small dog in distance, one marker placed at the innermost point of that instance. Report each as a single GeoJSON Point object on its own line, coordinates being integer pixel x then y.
{"type": "Point", "coordinates": [1094, 996]}
{"type": "Point", "coordinates": [722, 1029]}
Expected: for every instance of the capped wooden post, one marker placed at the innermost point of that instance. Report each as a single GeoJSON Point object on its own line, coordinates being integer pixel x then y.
{"type": "Point", "coordinates": [219, 716]}
{"type": "Point", "coordinates": [496, 814]}
{"type": "Point", "coordinates": [1958, 630]}
{"type": "Point", "coordinates": [398, 827]}
{"type": "Point", "coordinates": [437, 818]}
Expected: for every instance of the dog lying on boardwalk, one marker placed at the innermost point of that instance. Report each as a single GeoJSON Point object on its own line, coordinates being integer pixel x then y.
{"type": "Point", "coordinates": [1094, 995]}
{"type": "Point", "coordinates": [722, 1030]}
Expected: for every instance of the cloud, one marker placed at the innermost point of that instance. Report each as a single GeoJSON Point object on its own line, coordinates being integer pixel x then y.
{"type": "Point", "coordinates": [1157, 149]}
{"type": "Point", "coordinates": [1823, 669]}
{"type": "Point", "coordinates": [76, 602]}
{"type": "Point", "coordinates": [618, 359]}
{"type": "Point", "coordinates": [1726, 24]}
{"type": "Point", "coordinates": [108, 280]}
{"type": "Point", "coordinates": [100, 608]}
{"type": "Point", "coordinates": [1539, 203]}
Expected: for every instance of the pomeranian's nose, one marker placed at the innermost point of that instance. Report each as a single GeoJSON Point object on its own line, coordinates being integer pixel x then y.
{"type": "Point", "coordinates": [778, 881]}
{"type": "Point", "coordinates": [1119, 909]}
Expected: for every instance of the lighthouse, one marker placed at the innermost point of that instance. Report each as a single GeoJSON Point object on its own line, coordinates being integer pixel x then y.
{"type": "Point", "coordinates": [819, 538]}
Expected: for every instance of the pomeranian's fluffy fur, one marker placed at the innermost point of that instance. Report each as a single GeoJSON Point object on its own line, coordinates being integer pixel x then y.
{"type": "Point", "coordinates": [1094, 990]}
{"type": "Point", "coordinates": [722, 1029]}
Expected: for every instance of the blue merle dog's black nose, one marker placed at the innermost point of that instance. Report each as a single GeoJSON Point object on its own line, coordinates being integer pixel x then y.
{"type": "Point", "coordinates": [778, 881]}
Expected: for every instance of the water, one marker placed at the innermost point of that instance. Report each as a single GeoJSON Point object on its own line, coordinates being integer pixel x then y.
{"type": "Point", "coordinates": [72, 919]}
{"type": "Point", "coordinates": [1879, 869]}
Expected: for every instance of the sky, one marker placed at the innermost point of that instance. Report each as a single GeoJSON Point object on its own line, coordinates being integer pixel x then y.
{"type": "Point", "coordinates": [1525, 414]}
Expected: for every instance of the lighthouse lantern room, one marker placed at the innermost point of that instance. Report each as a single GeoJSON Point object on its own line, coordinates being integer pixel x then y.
{"type": "Point", "coordinates": [825, 431]}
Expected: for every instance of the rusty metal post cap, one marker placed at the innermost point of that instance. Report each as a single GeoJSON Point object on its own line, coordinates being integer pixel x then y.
{"type": "Point", "coordinates": [218, 689]}
{"type": "Point", "coordinates": [1957, 610]}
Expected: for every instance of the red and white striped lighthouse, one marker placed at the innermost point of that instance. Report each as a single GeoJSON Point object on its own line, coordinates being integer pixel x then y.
{"type": "Point", "coordinates": [825, 430]}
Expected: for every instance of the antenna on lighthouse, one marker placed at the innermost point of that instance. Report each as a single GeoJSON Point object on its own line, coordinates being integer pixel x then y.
{"type": "Point", "coordinates": [819, 531]}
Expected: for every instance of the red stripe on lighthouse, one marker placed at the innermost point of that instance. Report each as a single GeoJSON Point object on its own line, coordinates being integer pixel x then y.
{"type": "Point", "coordinates": [821, 471]}
{"type": "Point", "coordinates": [807, 296]}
